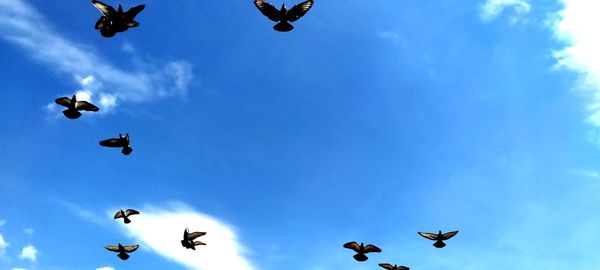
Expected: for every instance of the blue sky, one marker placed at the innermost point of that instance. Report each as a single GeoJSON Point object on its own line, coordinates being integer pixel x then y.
{"type": "Point", "coordinates": [368, 122]}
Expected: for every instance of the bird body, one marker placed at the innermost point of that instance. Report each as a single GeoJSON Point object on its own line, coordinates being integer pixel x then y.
{"type": "Point", "coordinates": [114, 21]}
{"type": "Point", "coordinates": [283, 16]}
{"type": "Point", "coordinates": [125, 215]}
{"type": "Point", "coordinates": [122, 250]}
{"type": "Point", "coordinates": [361, 250]}
{"type": "Point", "coordinates": [188, 239]}
{"type": "Point", "coordinates": [74, 106]}
{"type": "Point", "coordinates": [119, 142]}
{"type": "Point", "coordinates": [395, 267]}
{"type": "Point", "coordinates": [439, 238]}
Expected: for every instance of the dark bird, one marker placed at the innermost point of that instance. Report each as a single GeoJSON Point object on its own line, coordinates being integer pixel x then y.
{"type": "Point", "coordinates": [395, 267]}
{"type": "Point", "coordinates": [123, 250]}
{"type": "Point", "coordinates": [74, 106]}
{"type": "Point", "coordinates": [361, 250]}
{"type": "Point", "coordinates": [188, 239]}
{"type": "Point", "coordinates": [126, 214]}
{"type": "Point", "coordinates": [119, 142]}
{"type": "Point", "coordinates": [283, 17]}
{"type": "Point", "coordinates": [113, 21]}
{"type": "Point", "coordinates": [439, 238]}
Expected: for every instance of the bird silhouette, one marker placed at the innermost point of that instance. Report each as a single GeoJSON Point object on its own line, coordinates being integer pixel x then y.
{"type": "Point", "coordinates": [74, 106]}
{"type": "Point", "coordinates": [113, 21]}
{"type": "Point", "coordinates": [361, 250]}
{"type": "Point", "coordinates": [188, 239]}
{"type": "Point", "coordinates": [395, 267]}
{"type": "Point", "coordinates": [119, 142]}
{"type": "Point", "coordinates": [283, 16]}
{"type": "Point", "coordinates": [125, 214]}
{"type": "Point", "coordinates": [439, 238]}
{"type": "Point", "coordinates": [123, 250]}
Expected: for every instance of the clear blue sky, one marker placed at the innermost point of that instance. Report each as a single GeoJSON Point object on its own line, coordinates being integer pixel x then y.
{"type": "Point", "coordinates": [370, 121]}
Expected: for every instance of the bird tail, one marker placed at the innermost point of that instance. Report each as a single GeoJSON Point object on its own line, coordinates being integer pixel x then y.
{"type": "Point", "coordinates": [283, 26]}
{"type": "Point", "coordinates": [72, 114]}
{"type": "Point", "coordinates": [126, 220]}
{"type": "Point", "coordinates": [127, 150]}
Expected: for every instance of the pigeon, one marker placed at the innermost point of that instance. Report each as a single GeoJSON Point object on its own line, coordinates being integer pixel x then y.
{"type": "Point", "coordinates": [395, 267]}
{"type": "Point", "coordinates": [188, 239]}
{"type": "Point", "coordinates": [113, 21]}
{"type": "Point", "coordinates": [74, 106]}
{"type": "Point", "coordinates": [361, 250]}
{"type": "Point", "coordinates": [283, 17]}
{"type": "Point", "coordinates": [119, 142]}
{"type": "Point", "coordinates": [439, 238]}
{"type": "Point", "coordinates": [123, 250]}
{"type": "Point", "coordinates": [126, 214]}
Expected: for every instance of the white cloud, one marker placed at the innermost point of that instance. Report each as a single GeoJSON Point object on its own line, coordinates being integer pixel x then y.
{"type": "Point", "coordinates": [491, 9]}
{"type": "Point", "coordinates": [18, 269]}
{"type": "Point", "coordinates": [160, 230]}
{"type": "Point", "coordinates": [2, 222]}
{"type": "Point", "coordinates": [29, 253]}
{"type": "Point", "coordinates": [3, 244]}
{"type": "Point", "coordinates": [29, 231]}
{"type": "Point", "coordinates": [22, 25]}
{"type": "Point", "coordinates": [577, 26]}
{"type": "Point", "coordinates": [105, 268]}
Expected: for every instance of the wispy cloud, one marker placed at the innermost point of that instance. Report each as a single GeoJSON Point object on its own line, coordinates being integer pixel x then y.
{"type": "Point", "coordinates": [2, 222]}
{"type": "Point", "coordinates": [160, 230]}
{"type": "Point", "coordinates": [491, 9]}
{"type": "Point", "coordinates": [3, 244]}
{"type": "Point", "coordinates": [22, 25]}
{"type": "Point", "coordinates": [28, 231]}
{"type": "Point", "coordinates": [29, 252]}
{"type": "Point", "coordinates": [105, 268]}
{"type": "Point", "coordinates": [576, 25]}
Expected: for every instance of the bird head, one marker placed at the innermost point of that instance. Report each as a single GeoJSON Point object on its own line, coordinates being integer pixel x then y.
{"type": "Point", "coordinates": [120, 9]}
{"type": "Point", "coordinates": [74, 98]}
{"type": "Point", "coordinates": [283, 8]}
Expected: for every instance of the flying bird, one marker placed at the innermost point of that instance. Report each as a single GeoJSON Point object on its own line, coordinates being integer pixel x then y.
{"type": "Point", "coordinates": [361, 250]}
{"type": "Point", "coordinates": [113, 21]}
{"type": "Point", "coordinates": [283, 16]}
{"type": "Point", "coordinates": [395, 267]}
{"type": "Point", "coordinates": [123, 250]}
{"type": "Point", "coordinates": [188, 239]}
{"type": "Point", "coordinates": [74, 106]}
{"type": "Point", "coordinates": [125, 214]}
{"type": "Point", "coordinates": [119, 142]}
{"type": "Point", "coordinates": [439, 238]}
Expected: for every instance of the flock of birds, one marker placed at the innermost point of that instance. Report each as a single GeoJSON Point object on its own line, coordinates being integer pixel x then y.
{"type": "Point", "coordinates": [113, 21]}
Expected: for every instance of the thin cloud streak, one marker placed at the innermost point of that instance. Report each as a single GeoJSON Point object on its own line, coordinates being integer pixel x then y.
{"type": "Point", "coordinates": [22, 25]}
{"type": "Point", "coordinates": [491, 9]}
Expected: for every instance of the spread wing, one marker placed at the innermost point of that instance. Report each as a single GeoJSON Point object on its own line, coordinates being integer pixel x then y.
{"type": "Point", "coordinates": [86, 106]}
{"type": "Point", "coordinates": [387, 266]}
{"type": "Point", "coordinates": [371, 248]}
{"type": "Point", "coordinates": [430, 236]}
{"type": "Point", "coordinates": [299, 10]}
{"type": "Point", "coordinates": [114, 142]}
{"type": "Point", "coordinates": [194, 235]}
{"type": "Point", "coordinates": [118, 215]}
{"type": "Point", "coordinates": [131, 248]}
{"type": "Point", "coordinates": [353, 246]}
{"type": "Point", "coordinates": [134, 11]}
{"type": "Point", "coordinates": [130, 212]}
{"type": "Point", "coordinates": [64, 101]}
{"type": "Point", "coordinates": [104, 8]}
{"type": "Point", "coordinates": [268, 10]}
{"type": "Point", "coordinates": [402, 268]}
{"type": "Point", "coordinates": [112, 248]}
{"type": "Point", "coordinates": [449, 235]}
{"type": "Point", "coordinates": [101, 22]}
{"type": "Point", "coordinates": [198, 243]}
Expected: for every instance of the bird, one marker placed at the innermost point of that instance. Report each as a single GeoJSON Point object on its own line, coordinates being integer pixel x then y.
{"type": "Point", "coordinates": [74, 106]}
{"type": "Point", "coordinates": [113, 21]}
{"type": "Point", "coordinates": [361, 250]}
{"type": "Point", "coordinates": [283, 17]}
{"type": "Point", "coordinates": [395, 267]}
{"type": "Point", "coordinates": [439, 238]}
{"type": "Point", "coordinates": [188, 239]}
{"type": "Point", "coordinates": [125, 214]}
{"type": "Point", "coordinates": [119, 142]}
{"type": "Point", "coordinates": [123, 250]}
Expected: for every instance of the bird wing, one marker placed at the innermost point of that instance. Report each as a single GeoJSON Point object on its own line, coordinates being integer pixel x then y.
{"type": "Point", "coordinates": [130, 212]}
{"type": "Point", "coordinates": [134, 11]}
{"type": "Point", "coordinates": [100, 23]}
{"type": "Point", "coordinates": [64, 101]}
{"type": "Point", "coordinates": [430, 236]}
{"type": "Point", "coordinates": [387, 266]}
{"type": "Point", "coordinates": [131, 248]}
{"type": "Point", "coordinates": [449, 235]}
{"type": "Point", "coordinates": [268, 10]}
{"type": "Point", "coordinates": [353, 246]}
{"type": "Point", "coordinates": [104, 8]}
{"type": "Point", "coordinates": [198, 243]}
{"type": "Point", "coordinates": [371, 248]}
{"type": "Point", "coordinates": [112, 248]}
{"type": "Point", "coordinates": [299, 10]}
{"type": "Point", "coordinates": [402, 268]}
{"type": "Point", "coordinates": [133, 24]}
{"type": "Point", "coordinates": [194, 235]}
{"type": "Point", "coordinates": [86, 106]}
{"type": "Point", "coordinates": [118, 215]}
{"type": "Point", "coordinates": [113, 142]}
